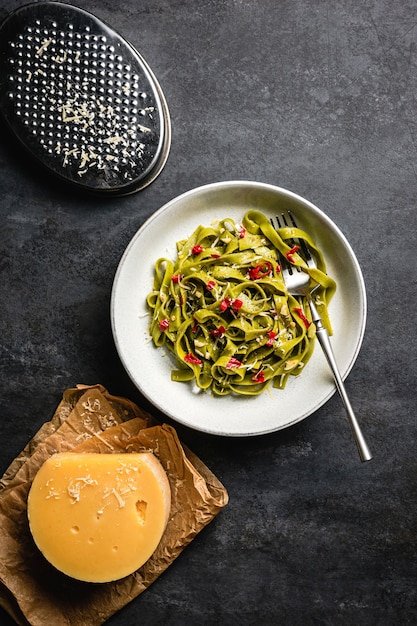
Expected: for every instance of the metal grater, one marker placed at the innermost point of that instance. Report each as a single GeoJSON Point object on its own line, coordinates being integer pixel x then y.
{"type": "Point", "coordinates": [81, 99]}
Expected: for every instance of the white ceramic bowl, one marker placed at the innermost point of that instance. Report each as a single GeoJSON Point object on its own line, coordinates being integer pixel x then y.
{"type": "Point", "coordinates": [150, 367]}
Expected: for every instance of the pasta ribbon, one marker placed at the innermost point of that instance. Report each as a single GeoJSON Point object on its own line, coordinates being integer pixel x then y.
{"type": "Point", "coordinates": [222, 308]}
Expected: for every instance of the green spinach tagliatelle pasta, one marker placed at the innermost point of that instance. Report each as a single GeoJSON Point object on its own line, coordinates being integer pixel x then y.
{"type": "Point", "coordinates": [223, 310]}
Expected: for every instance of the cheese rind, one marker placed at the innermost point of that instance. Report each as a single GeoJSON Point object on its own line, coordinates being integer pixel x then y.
{"type": "Point", "coordinates": [99, 517]}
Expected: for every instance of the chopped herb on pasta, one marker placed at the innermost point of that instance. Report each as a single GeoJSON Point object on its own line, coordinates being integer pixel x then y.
{"type": "Point", "coordinates": [223, 310]}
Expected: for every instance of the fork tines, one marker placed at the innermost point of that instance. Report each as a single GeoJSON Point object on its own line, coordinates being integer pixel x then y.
{"type": "Point", "coordinates": [287, 219]}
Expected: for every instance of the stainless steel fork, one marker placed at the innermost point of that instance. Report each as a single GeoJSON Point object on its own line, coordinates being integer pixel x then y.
{"type": "Point", "coordinates": [299, 283]}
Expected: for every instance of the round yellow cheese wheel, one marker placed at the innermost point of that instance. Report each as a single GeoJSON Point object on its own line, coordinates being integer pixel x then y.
{"type": "Point", "coordinates": [99, 517]}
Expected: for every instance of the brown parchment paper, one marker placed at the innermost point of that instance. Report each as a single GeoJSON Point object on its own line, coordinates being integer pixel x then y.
{"type": "Point", "coordinates": [90, 419]}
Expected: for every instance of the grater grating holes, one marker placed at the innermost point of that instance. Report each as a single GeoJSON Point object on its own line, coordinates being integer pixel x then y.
{"type": "Point", "coordinates": [79, 99]}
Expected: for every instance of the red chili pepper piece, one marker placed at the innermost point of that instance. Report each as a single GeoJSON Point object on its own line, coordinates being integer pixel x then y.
{"type": "Point", "coordinates": [236, 304]}
{"type": "Point", "coordinates": [242, 232]}
{"type": "Point", "coordinates": [290, 253]}
{"type": "Point", "coordinates": [305, 321]}
{"type": "Point", "coordinates": [176, 278]}
{"type": "Point", "coordinates": [260, 271]}
{"type": "Point", "coordinates": [210, 285]}
{"type": "Point", "coordinates": [225, 304]}
{"type": "Point", "coordinates": [233, 363]}
{"type": "Point", "coordinates": [164, 324]}
{"type": "Point", "coordinates": [271, 334]}
{"type": "Point", "coordinates": [228, 303]}
{"type": "Point", "coordinates": [194, 328]}
{"type": "Point", "coordinates": [218, 332]}
{"type": "Point", "coordinates": [197, 250]}
{"type": "Point", "coordinates": [215, 256]}
{"type": "Point", "coordinates": [259, 377]}
{"type": "Point", "coordinates": [194, 360]}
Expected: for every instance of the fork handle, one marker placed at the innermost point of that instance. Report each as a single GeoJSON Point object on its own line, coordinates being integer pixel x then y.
{"type": "Point", "coordinates": [324, 340]}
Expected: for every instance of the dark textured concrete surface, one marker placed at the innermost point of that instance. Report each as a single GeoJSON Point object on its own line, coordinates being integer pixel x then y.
{"type": "Point", "coordinates": [320, 98]}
